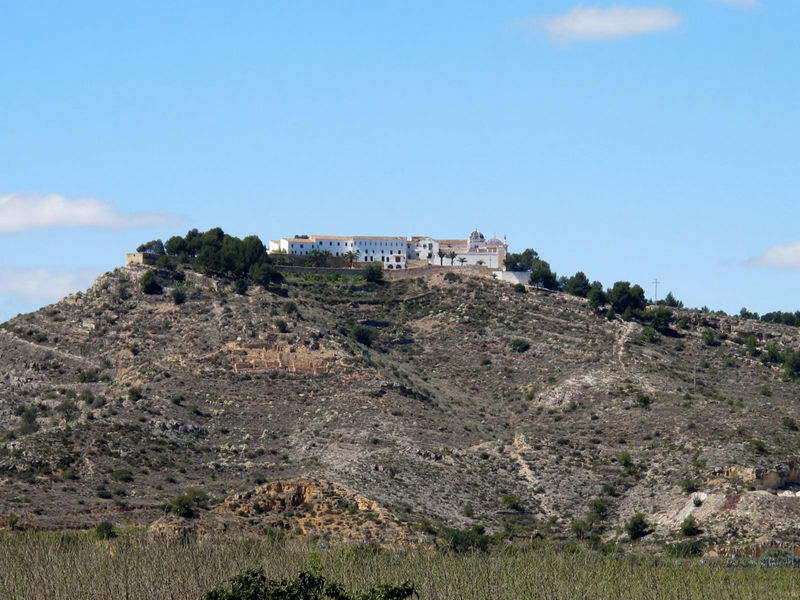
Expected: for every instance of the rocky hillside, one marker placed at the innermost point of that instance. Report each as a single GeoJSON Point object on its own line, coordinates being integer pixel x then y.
{"type": "Point", "coordinates": [458, 401]}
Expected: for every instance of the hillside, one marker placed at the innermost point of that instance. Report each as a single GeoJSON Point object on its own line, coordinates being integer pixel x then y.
{"type": "Point", "coordinates": [114, 402]}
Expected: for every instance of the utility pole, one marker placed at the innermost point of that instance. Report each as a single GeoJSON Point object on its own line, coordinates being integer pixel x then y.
{"type": "Point", "coordinates": [656, 282]}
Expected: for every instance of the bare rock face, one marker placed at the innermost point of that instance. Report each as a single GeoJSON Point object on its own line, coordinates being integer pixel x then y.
{"type": "Point", "coordinates": [112, 403]}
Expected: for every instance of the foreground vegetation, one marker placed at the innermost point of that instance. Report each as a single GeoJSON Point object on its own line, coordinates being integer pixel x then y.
{"type": "Point", "coordinates": [138, 566]}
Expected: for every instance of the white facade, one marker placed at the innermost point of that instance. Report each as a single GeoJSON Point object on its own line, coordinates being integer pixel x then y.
{"type": "Point", "coordinates": [391, 251]}
{"type": "Point", "coordinates": [394, 251]}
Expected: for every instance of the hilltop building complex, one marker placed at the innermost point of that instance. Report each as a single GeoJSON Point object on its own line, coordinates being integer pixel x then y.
{"type": "Point", "coordinates": [397, 252]}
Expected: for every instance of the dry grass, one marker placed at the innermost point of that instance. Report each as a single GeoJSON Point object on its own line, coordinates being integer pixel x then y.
{"type": "Point", "coordinates": [137, 566]}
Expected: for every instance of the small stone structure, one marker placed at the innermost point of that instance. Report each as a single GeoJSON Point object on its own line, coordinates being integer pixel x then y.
{"type": "Point", "coordinates": [140, 258]}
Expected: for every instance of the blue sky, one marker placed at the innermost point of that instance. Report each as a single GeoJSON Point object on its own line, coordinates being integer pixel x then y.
{"type": "Point", "coordinates": [629, 140]}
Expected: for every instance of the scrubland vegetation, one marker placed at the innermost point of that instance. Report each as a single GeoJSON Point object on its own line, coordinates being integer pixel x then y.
{"type": "Point", "coordinates": [142, 567]}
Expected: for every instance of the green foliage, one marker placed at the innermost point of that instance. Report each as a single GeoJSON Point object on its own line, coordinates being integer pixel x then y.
{"type": "Point", "coordinates": [542, 276]}
{"type": "Point", "coordinates": [178, 296]}
{"type": "Point", "coordinates": [134, 394]}
{"type": "Point", "coordinates": [689, 527]}
{"type": "Point", "coordinates": [751, 344]}
{"type": "Point", "coordinates": [660, 318]}
{"type": "Point", "coordinates": [578, 285]}
{"type": "Point", "coordinates": [519, 345]}
{"type": "Point", "coordinates": [186, 504]}
{"type": "Point", "coordinates": [624, 296]}
{"type": "Point", "coordinates": [175, 246]}
{"type": "Point", "coordinates": [149, 285]}
{"type": "Point", "coordinates": [637, 526]}
{"type": "Point", "coordinates": [522, 261]}
{"type": "Point", "coordinates": [598, 509]}
{"type": "Point", "coordinates": [122, 475]}
{"type": "Point", "coordinates": [281, 325]}
{"type": "Point", "coordinates": [363, 334]}
{"type": "Point", "coordinates": [68, 409]}
{"type": "Point", "coordinates": [789, 423]}
{"type": "Point", "coordinates": [512, 501]}
{"type": "Point", "coordinates": [153, 247]}
{"type": "Point", "coordinates": [643, 400]}
{"type": "Point", "coordinates": [452, 277]}
{"type": "Point", "coordinates": [105, 531]}
{"type": "Point", "coordinates": [28, 422]}
{"type": "Point", "coordinates": [252, 584]}
{"type": "Point", "coordinates": [624, 458]}
{"type": "Point", "coordinates": [758, 446]}
{"type": "Point", "coordinates": [672, 302]}
{"type": "Point", "coordinates": [709, 337]}
{"type": "Point", "coordinates": [597, 298]}
{"type": "Point", "coordinates": [240, 286]}
{"type": "Point", "coordinates": [520, 288]}
{"type": "Point", "coordinates": [373, 272]}
{"type": "Point", "coordinates": [689, 486]}
{"type": "Point", "coordinates": [466, 540]}
{"type": "Point", "coordinates": [688, 549]}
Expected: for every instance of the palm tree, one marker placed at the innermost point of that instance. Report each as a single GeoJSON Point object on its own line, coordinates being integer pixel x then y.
{"type": "Point", "coordinates": [350, 257]}
{"type": "Point", "coordinates": [480, 263]}
{"type": "Point", "coordinates": [441, 254]}
{"type": "Point", "coordinates": [462, 260]}
{"type": "Point", "coordinates": [452, 256]}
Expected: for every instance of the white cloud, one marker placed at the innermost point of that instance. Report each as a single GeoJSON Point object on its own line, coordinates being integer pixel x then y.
{"type": "Point", "coordinates": [22, 212]}
{"type": "Point", "coordinates": [782, 256]}
{"type": "Point", "coordinates": [43, 285]}
{"type": "Point", "coordinates": [605, 23]}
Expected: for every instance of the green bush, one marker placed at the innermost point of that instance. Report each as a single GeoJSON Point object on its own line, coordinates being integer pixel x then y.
{"type": "Point", "coordinates": [134, 394]}
{"type": "Point", "coordinates": [373, 272]}
{"type": "Point", "coordinates": [281, 325]}
{"type": "Point", "coordinates": [122, 475]}
{"type": "Point", "coordinates": [178, 296]}
{"type": "Point", "coordinates": [149, 285]}
{"type": "Point", "coordinates": [252, 584]}
{"type": "Point", "coordinates": [186, 504]}
{"type": "Point", "coordinates": [689, 527]}
{"type": "Point", "coordinates": [105, 531]}
{"type": "Point", "coordinates": [637, 526]}
{"type": "Point", "coordinates": [467, 540]}
{"type": "Point", "coordinates": [363, 334]}
{"type": "Point", "coordinates": [240, 286]}
{"type": "Point", "coordinates": [689, 486]}
{"type": "Point", "coordinates": [520, 346]}
{"type": "Point", "coordinates": [520, 288]}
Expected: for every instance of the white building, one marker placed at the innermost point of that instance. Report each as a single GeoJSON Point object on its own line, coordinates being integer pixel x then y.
{"type": "Point", "coordinates": [394, 251]}
{"type": "Point", "coordinates": [389, 250]}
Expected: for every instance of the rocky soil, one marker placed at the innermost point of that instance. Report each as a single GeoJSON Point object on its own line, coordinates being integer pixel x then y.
{"type": "Point", "coordinates": [113, 402]}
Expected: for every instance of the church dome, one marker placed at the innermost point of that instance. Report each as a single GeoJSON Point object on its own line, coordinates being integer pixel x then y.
{"type": "Point", "coordinates": [476, 236]}
{"type": "Point", "coordinates": [495, 242]}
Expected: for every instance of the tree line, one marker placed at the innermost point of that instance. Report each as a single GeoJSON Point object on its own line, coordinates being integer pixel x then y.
{"type": "Point", "coordinates": [216, 252]}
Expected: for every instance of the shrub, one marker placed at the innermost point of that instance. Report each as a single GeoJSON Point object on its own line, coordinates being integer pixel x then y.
{"type": "Point", "coordinates": [689, 486]}
{"type": "Point", "coordinates": [687, 549]}
{"type": "Point", "coordinates": [186, 504]}
{"type": "Point", "coordinates": [512, 501]}
{"type": "Point", "coordinates": [519, 346]}
{"type": "Point", "coordinates": [134, 394]}
{"type": "Point", "coordinates": [689, 527]}
{"type": "Point", "coordinates": [625, 459]}
{"type": "Point", "coordinates": [710, 338]}
{"type": "Point", "coordinates": [637, 526]}
{"type": "Point", "coordinates": [373, 272]}
{"type": "Point", "coordinates": [178, 296]}
{"type": "Point", "coordinates": [105, 531]}
{"type": "Point", "coordinates": [149, 285]}
{"type": "Point", "coordinates": [758, 446]}
{"type": "Point", "coordinates": [466, 540]}
{"type": "Point", "coordinates": [281, 326]}
{"type": "Point", "coordinates": [122, 475]}
{"type": "Point", "coordinates": [240, 286]}
{"type": "Point", "coordinates": [28, 424]}
{"type": "Point", "coordinates": [289, 307]}
{"type": "Point", "coordinates": [643, 400]}
{"type": "Point", "coordinates": [789, 423]}
{"type": "Point", "coordinates": [362, 334]}
{"type": "Point", "coordinates": [451, 277]}
{"type": "Point", "coordinates": [252, 584]}
{"type": "Point", "coordinates": [598, 509]}
{"type": "Point", "coordinates": [520, 288]}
